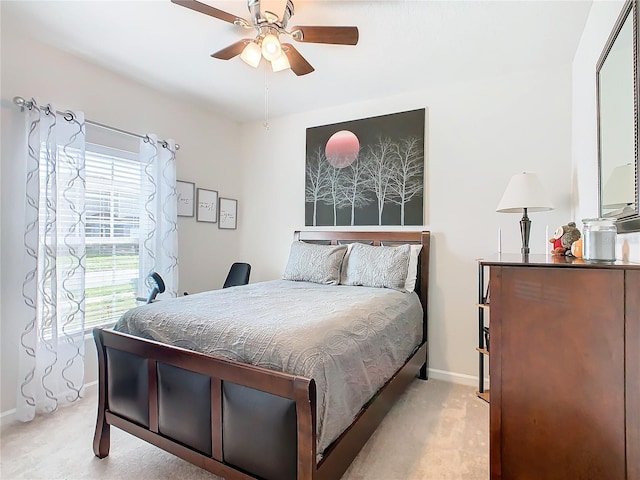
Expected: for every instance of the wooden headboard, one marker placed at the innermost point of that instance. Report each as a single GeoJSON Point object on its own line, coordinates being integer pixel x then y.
{"type": "Point", "coordinates": [382, 239]}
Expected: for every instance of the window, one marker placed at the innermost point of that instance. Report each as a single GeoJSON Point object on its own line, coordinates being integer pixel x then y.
{"type": "Point", "coordinates": [113, 200]}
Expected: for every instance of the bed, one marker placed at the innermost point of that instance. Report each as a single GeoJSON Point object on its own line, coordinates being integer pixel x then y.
{"type": "Point", "coordinates": [245, 415]}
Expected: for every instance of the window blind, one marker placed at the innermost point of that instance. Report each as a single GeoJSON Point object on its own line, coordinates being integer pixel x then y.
{"type": "Point", "coordinates": [113, 201]}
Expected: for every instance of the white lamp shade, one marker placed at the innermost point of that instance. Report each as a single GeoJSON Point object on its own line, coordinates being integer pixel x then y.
{"type": "Point", "coordinates": [280, 63]}
{"type": "Point", "coordinates": [619, 191]}
{"type": "Point", "coordinates": [524, 191]}
{"type": "Point", "coordinates": [271, 48]}
{"type": "Point", "coordinates": [251, 55]}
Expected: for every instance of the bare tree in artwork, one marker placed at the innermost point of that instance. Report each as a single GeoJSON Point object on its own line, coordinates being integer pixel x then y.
{"type": "Point", "coordinates": [334, 193]}
{"type": "Point", "coordinates": [407, 177]}
{"type": "Point", "coordinates": [356, 184]}
{"type": "Point", "coordinates": [316, 186]}
{"type": "Point", "coordinates": [381, 159]}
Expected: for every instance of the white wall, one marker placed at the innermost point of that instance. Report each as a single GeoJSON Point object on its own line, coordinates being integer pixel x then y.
{"type": "Point", "coordinates": [600, 23]}
{"type": "Point", "coordinates": [208, 146]}
{"type": "Point", "coordinates": [479, 133]}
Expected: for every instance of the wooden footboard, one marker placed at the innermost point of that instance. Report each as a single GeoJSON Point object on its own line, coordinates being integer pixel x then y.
{"type": "Point", "coordinates": [235, 420]}
{"type": "Point", "coordinates": [226, 417]}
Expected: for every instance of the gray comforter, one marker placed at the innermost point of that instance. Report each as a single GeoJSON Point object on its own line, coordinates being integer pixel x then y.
{"type": "Point", "coordinates": [350, 340]}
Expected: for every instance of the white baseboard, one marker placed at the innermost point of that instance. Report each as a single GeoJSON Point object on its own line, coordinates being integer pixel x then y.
{"type": "Point", "coordinates": [461, 378]}
{"type": "Point", "coordinates": [9, 416]}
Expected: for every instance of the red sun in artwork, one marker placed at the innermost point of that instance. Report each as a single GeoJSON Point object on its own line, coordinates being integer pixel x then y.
{"type": "Point", "coordinates": [342, 149]}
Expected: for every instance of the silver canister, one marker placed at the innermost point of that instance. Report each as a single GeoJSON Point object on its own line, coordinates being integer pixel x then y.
{"type": "Point", "coordinates": [599, 239]}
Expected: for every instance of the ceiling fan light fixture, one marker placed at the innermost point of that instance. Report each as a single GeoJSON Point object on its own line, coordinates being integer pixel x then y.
{"type": "Point", "coordinates": [268, 28]}
{"type": "Point", "coordinates": [280, 63]}
{"type": "Point", "coordinates": [251, 55]}
{"type": "Point", "coordinates": [271, 48]}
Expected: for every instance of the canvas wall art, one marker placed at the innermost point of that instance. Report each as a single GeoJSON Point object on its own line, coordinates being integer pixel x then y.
{"type": "Point", "coordinates": [185, 192]}
{"type": "Point", "coordinates": [366, 172]}
{"type": "Point", "coordinates": [207, 201]}
{"type": "Point", "coordinates": [228, 213]}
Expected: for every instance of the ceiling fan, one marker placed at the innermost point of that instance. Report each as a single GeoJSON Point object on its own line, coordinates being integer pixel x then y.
{"type": "Point", "coordinates": [266, 43]}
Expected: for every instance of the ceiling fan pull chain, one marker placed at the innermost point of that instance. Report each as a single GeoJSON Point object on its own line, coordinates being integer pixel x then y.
{"type": "Point", "coordinates": [266, 99]}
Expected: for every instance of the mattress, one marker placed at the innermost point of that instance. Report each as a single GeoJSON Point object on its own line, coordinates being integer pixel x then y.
{"type": "Point", "coordinates": [349, 339]}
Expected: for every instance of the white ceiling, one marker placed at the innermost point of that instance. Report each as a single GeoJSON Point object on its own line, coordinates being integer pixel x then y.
{"type": "Point", "coordinates": [404, 46]}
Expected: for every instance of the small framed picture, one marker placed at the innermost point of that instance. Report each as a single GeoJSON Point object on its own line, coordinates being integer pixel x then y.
{"type": "Point", "coordinates": [207, 201]}
{"type": "Point", "coordinates": [228, 213]}
{"type": "Point", "coordinates": [185, 191]}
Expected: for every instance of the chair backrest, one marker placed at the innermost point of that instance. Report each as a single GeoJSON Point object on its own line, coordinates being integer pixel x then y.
{"type": "Point", "coordinates": [155, 281]}
{"type": "Point", "coordinates": [238, 275]}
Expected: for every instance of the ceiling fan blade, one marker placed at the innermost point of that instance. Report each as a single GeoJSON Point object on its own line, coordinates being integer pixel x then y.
{"type": "Point", "coordinates": [334, 35]}
{"type": "Point", "coordinates": [208, 10]}
{"type": "Point", "coordinates": [232, 50]}
{"type": "Point", "coordinates": [297, 62]}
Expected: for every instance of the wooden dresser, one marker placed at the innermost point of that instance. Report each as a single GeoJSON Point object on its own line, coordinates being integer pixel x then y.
{"type": "Point", "coordinates": [564, 368]}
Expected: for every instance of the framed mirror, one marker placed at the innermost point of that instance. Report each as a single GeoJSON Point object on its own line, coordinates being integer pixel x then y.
{"type": "Point", "coordinates": [617, 103]}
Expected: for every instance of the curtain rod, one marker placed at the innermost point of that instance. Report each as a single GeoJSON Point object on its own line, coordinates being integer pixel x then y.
{"type": "Point", "coordinates": [22, 103]}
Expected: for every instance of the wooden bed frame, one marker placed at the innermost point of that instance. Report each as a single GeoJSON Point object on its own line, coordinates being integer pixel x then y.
{"type": "Point", "coordinates": [236, 420]}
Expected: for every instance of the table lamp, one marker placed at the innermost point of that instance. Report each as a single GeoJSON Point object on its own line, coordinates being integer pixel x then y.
{"type": "Point", "coordinates": [524, 193]}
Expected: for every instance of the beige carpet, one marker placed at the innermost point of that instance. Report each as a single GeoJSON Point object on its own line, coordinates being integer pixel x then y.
{"type": "Point", "coordinates": [436, 431]}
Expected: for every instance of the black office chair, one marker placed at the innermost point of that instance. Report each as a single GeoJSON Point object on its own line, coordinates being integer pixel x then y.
{"type": "Point", "coordinates": [238, 275]}
{"type": "Point", "coordinates": [156, 284]}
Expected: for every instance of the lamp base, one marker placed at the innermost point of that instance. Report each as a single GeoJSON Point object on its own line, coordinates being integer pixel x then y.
{"type": "Point", "coordinates": [525, 230]}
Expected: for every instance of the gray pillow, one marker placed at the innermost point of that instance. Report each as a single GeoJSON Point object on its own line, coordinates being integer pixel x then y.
{"type": "Point", "coordinates": [371, 266]}
{"type": "Point", "coordinates": [315, 263]}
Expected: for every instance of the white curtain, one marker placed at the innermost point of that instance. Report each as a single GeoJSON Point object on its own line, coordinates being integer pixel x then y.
{"type": "Point", "coordinates": [51, 359]}
{"type": "Point", "coordinates": [158, 214]}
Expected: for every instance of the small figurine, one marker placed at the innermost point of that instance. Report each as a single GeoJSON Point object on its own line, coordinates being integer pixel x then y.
{"type": "Point", "coordinates": [563, 238]}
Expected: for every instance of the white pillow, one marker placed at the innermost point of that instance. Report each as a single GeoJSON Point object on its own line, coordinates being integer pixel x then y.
{"type": "Point", "coordinates": [412, 271]}
{"type": "Point", "coordinates": [343, 268]}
